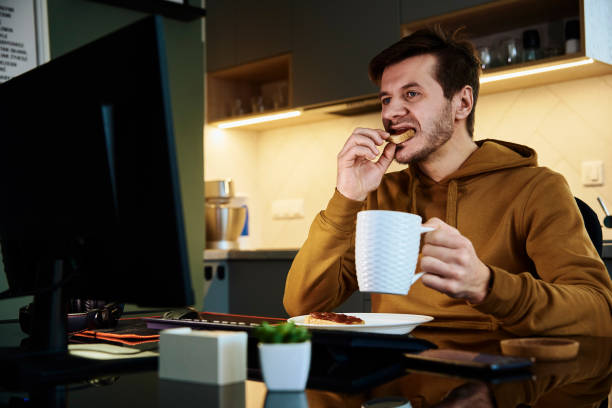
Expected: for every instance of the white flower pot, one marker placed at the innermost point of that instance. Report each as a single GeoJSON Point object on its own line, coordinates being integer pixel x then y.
{"type": "Point", "coordinates": [285, 366]}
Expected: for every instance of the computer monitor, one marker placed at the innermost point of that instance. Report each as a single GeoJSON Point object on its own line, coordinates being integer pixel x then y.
{"type": "Point", "coordinates": [90, 202]}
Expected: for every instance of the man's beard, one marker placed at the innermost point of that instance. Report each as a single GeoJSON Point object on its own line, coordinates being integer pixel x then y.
{"type": "Point", "coordinates": [440, 133]}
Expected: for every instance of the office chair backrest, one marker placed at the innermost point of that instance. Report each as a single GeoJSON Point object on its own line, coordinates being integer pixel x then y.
{"type": "Point", "coordinates": [592, 225]}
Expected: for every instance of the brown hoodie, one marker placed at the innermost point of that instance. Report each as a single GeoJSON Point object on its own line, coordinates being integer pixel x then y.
{"type": "Point", "coordinates": [523, 223]}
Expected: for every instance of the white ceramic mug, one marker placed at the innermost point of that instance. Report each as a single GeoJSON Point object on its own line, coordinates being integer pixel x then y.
{"type": "Point", "coordinates": [387, 250]}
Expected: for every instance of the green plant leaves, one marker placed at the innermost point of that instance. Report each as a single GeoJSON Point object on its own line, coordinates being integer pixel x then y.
{"type": "Point", "coordinates": [281, 333]}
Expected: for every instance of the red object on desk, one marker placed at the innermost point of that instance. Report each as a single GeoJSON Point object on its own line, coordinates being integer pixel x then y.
{"type": "Point", "coordinates": [133, 330]}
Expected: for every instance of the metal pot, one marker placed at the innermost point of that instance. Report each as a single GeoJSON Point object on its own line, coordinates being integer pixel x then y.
{"type": "Point", "coordinates": [224, 223]}
{"type": "Point", "coordinates": [219, 189]}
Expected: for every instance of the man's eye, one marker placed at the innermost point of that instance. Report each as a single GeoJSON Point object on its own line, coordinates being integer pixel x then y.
{"type": "Point", "coordinates": [412, 94]}
{"type": "Point", "coordinates": [385, 101]}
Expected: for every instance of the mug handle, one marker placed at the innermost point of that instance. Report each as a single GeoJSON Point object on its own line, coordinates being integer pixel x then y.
{"type": "Point", "coordinates": [416, 276]}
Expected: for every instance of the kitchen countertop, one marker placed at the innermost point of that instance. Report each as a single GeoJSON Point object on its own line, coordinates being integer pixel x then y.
{"type": "Point", "coordinates": [255, 254]}
{"type": "Point", "coordinates": [223, 254]}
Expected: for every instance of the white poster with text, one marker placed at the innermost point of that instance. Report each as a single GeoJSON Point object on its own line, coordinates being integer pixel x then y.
{"type": "Point", "coordinates": [17, 38]}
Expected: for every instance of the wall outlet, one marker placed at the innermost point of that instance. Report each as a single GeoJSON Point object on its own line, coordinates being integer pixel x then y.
{"type": "Point", "coordinates": [592, 173]}
{"type": "Point", "coordinates": [288, 209]}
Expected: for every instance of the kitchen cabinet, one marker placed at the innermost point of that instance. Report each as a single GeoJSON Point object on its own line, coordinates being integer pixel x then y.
{"type": "Point", "coordinates": [330, 45]}
{"type": "Point", "coordinates": [248, 62]}
{"type": "Point", "coordinates": [490, 23]}
{"type": "Point", "coordinates": [243, 31]}
{"type": "Point", "coordinates": [414, 10]}
{"type": "Point", "coordinates": [253, 88]}
{"type": "Point", "coordinates": [253, 282]}
{"type": "Point", "coordinates": [333, 42]}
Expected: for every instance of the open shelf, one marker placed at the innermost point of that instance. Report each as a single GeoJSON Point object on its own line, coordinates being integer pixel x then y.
{"type": "Point", "coordinates": [500, 16]}
{"type": "Point", "coordinates": [261, 87]}
{"type": "Point", "coordinates": [488, 24]}
{"type": "Point", "coordinates": [574, 67]}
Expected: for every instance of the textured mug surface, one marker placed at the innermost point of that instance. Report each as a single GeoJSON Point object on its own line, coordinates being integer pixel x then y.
{"type": "Point", "coordinates": [386, 250]}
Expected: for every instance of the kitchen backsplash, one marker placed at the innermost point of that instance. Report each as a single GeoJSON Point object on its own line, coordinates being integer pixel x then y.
{"type": "Point", "coordinates": [566, 123]}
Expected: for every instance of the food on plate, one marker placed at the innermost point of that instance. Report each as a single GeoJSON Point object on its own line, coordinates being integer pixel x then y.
{"type": "Point", "coordinates": [331, 318]}
{"type": "Point", "coordinates": [402, 137]}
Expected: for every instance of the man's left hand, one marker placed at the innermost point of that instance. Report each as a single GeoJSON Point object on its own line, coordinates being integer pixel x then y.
{"type": "Point", "coordinates": [451, 265]}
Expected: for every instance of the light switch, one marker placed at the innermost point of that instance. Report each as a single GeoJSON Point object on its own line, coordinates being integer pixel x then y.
{"type": "Point", "coordinates": [592, 173]}
{"type": "Point", "coordinates": [288, 208]}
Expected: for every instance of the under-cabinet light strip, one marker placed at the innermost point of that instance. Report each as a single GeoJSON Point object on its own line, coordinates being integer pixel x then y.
{"type": "Point", "coordinates": [499, 77]}
{"type": "Point", "coordinates": [260, 119]}
{"type": "Point", "coordinates": [483, 80]}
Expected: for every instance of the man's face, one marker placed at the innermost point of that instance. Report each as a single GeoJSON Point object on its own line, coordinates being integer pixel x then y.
{"type": "Point", "coordinates": [412, 99]}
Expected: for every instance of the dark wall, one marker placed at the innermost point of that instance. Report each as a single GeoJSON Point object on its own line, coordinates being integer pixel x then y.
{"type": "Point", "coordinates": [73, 23]}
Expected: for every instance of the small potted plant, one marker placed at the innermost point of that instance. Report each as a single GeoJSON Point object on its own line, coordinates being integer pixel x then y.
{"type": "Point", "coordinates": [284, 356]}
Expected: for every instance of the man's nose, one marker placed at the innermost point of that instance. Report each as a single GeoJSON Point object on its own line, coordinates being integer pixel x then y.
{"type": "Point", "coordinates": [395, 109]}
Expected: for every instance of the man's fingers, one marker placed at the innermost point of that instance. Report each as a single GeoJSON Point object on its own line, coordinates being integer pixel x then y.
{"type": "Point", "coordinates": [359, 140]}
{"type": "Point", "coordinates": [437, 267]}
{"type": "Point", "coordinates": [445, 254]}
{"type": "Point", "coordinates": [439, 283]}
{"type": "Point", "coordinates": [376, 135]}
{"type": "Point", "coordinates": [435, 222]}
{"type": "Point", "coordinates": [387, 155]}
{"type": "Point", "coordinates": [355, 153]}
{"type": "Point", "coordinates": [443, 235]}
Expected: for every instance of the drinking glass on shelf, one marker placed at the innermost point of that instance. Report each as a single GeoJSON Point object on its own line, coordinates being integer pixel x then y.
{"type": "Point", "coordinates": [279, 99]}
{"type": "Point", "coordinates": [531, 45]}
{"type": "Point", "coordinates": [257, 104]}
{"type": "Point", "coordinates": [510, 51]}
{"type": "Point", "coordinates": [485, 57]}
{"type": "Point", "coordinates": [237, 110]}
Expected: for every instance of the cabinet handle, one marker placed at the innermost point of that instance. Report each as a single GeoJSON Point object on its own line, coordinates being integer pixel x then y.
{"type": "Point", "coordinates": [221, 272]}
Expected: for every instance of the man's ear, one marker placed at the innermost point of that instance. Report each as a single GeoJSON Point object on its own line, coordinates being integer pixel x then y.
{"type": "Point", "coordinates": [463, 102]}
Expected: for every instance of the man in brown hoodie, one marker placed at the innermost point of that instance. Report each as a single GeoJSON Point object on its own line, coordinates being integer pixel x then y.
{"type": "Point", "coordinates": [509, 249]}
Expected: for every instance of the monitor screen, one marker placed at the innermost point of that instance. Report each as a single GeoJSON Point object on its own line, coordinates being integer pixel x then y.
{"type": "Point", "coordinates": [90, 199]}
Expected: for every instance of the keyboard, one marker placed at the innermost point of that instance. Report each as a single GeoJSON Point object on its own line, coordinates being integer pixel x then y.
{"type": "Point", "coordinates": [213, 321]}
{"type": "Point", "coordinates": [336, 338]}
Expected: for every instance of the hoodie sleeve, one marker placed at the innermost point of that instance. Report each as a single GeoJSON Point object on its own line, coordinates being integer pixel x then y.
{"type": "Point", "coordinates": [322, 275]}
{"type": "Point", "coordinates": [573, 295]}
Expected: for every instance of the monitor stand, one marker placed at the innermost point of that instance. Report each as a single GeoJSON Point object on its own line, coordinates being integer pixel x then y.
{"type": "Point", "coordinates": [49, 316]}
{"type": "Point", "coordinates": [42, 363]}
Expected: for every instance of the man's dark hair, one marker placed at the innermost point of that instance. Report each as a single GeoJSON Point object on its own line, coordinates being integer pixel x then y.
{"type": "Point", "coordinates": [457, 63]}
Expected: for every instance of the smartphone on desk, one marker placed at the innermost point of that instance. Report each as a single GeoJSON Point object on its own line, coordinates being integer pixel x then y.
{"type": "Point", "coordinates": [457, 361]}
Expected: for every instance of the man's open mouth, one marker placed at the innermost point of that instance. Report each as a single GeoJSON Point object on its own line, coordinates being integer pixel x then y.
{"type": "Point", "coordinates": [403, 129]}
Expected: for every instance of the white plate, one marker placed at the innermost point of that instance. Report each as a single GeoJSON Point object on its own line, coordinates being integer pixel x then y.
{"type": "Point", "coordinates": [388, 323]}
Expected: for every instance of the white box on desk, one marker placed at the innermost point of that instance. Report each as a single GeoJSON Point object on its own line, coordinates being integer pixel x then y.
{"type": "Point", "coordinates": [203, 356]}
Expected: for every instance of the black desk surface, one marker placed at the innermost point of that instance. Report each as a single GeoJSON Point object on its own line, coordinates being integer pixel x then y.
{"type": "Point", "coordinates": [584, 381]}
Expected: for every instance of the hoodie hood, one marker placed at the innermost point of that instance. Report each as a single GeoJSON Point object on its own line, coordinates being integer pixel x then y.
{"type": "Point", "coordinates": [490, 156]}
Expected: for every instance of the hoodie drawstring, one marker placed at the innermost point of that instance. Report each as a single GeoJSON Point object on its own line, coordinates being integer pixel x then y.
{"type": "Point", "coordinates": [451, 199]}
{"type": "Point", "coordinates": [413, 187]}
{"type": "Point", "coordinates": [451, 204]}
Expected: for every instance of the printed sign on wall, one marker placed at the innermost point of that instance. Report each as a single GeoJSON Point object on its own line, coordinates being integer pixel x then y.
{"type": "Point", "coordinates": [17, 38]}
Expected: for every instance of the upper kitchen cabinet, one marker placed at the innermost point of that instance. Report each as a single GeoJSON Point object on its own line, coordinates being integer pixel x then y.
{"type": "Point", "coordinates": [414, 10]}
{"type": "Point", "coordinates": [333, 42]}
{"type": "Point", "coordinates": [243, 31]}
{"type": "Point", "coordinates": [523, 43]}
{"type": "Point", "coordinates": [248, 61]}
{"type": "Point", "coordinates": [312, 56]}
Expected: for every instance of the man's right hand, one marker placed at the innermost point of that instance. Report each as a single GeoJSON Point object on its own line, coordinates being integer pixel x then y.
{"type": "Point", "coordinates": [357, 173]}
